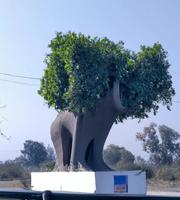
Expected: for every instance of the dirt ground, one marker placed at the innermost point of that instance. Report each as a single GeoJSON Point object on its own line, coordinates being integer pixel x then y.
{"type": "Point", "coordinates": [159, 187]}
{"type": "Point", "coordinates": [154, 185]}
{"type": "Point", "coordinates": [11, 184]}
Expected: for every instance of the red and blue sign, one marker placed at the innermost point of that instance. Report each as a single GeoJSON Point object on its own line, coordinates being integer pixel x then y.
{"type": "Point", "coordinates": [120, 183]}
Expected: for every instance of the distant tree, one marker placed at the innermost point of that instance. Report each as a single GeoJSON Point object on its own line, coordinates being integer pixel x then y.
{"type": "Point", "coordinates": [164, 147]}
{"type": "Point", "coordinates": [170, 144]}
{"type": "Point", "coordinates": [116, 156]}
{"type": "Point", "coordinates": [34, 153]}
{"type": "Point", "coordinates": [21, 160]}
{"type": "Point", "coordinates": [140, 161]}
{"type": "Point", "coordinates": [50, 154]}
{"type": "Point", "coordinates": [112, 154]}
{"type": "Point", "coordinates": [126, 156]}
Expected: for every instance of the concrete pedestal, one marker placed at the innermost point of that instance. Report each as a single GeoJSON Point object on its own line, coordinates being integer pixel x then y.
{"type": "Point", "coordinates": [112, 182]}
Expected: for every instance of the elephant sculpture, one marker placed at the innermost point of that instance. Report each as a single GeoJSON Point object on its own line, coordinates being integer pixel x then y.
{"type": "Point", "coordinates": [93, 82]}
{"type": "Point", "coordinates": [79, 139]}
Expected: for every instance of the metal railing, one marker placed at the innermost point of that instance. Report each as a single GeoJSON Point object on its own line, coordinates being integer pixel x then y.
{"type": "Point", "coordinates": [48, 195]}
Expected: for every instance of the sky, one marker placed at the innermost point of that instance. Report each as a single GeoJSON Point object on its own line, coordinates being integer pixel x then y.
{"type": "Point", "coordinates": [26, 29]}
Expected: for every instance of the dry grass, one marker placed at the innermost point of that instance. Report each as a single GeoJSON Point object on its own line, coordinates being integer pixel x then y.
{"type": "Point", "coordinates": [11, 184]}
{"type": "Point", "coordinates": [166, 186]}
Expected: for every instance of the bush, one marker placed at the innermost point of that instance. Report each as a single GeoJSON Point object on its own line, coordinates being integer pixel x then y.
{"type": "Point", "coordinates": [166, 174]}
{"type": "Point", "coordinates": [150, 173]}
{"type": "Point", "coordinates": [10, 170]}
{"type": "Point", "coordinates": [131, 166]}
{"type": "Point", "coordinates": [125, 166]}
{"type": "Point", "coordinates": [47, 166]}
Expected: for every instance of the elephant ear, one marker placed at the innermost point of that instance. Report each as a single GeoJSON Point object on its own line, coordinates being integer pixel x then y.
{"type": "Point", "coordinates": [117, 96]}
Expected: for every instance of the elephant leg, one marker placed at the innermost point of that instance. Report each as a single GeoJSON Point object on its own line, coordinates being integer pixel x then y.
{"type": "Point", "coordinates": [74, 155]}
{"type": "Point", "coordinates": [97, 157]}
{"type": "Point", "coordinates": [89, 158]}
{"type": "Point", "coordinates": [57, 142]}
{"type": "Point", "coordinates": [66, 147]}
{"type": "Point", "coordinates": [62, 141]}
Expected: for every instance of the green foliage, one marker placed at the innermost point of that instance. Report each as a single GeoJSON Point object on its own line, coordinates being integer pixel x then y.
{"type": "Point", "coordinates": [164, 148]}
{"type": "Point", "coordinates": [81, 69]}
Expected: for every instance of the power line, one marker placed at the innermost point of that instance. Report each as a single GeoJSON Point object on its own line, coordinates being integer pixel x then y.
{"type": "Point", "coordinates": [19, 76]}
{"type": "Point", "coordinates": [17, 82]}
{"type": "Point", "coordinates": [28, 77]}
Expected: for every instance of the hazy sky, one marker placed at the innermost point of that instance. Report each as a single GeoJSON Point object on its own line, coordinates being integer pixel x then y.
{"type": "Point", "coordinates": [26, 28]}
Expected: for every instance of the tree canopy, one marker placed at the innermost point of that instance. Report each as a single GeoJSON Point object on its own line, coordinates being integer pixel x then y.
{"type": "Point", "coordinates": [164, 147]}
{"type": "Point", "coordinates": [81, 69]}
{"type": "Point", "coordinates": [34, 153]}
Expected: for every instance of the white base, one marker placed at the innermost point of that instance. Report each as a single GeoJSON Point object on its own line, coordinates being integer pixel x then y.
{"type": "Point", "coordinates": [112, 182]}
{"type": "Point", "coordinates": [64, 181]}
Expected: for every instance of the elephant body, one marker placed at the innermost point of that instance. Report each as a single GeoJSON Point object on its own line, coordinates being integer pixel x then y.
{"type": "Point", "coordinates": [79, 139]}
